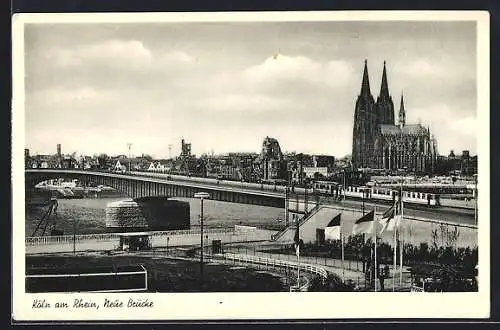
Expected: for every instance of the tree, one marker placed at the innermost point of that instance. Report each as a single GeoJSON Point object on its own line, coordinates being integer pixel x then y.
{"type": "Point", "coordinates": [452, 236]}
{"type": "Point", "coordinates": [102, 161]}
{"type": "Point", "coordinates": [332, 283]}
{"type": "Point", "coordinates": [318, 176]}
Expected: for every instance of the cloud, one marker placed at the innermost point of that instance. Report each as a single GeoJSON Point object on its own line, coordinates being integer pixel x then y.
{"type": "Point", "coordinates": [451, 130]}
{"type": "Point", "coordinates": [178, 57]}
{"type": "Point", "coordinates": [464, 126]}
{"type": "Point", "coordinates": [245, 102]}
{"type": "Point", "coordinates": [282, 68]}
{"type": "Point", "coordinates": [285, 87]}
{"type": "Point", "coordinates": [421, 67]}
{"type": "Point", "coordinates": [69, 96]}
{"type": "Point", "coordinates": [113, 53]}
{"type": "Point", "coordinates": [443, 67]}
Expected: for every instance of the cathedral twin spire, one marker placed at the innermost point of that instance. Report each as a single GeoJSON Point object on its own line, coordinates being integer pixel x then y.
{"type": "Point", "coordinates": [365, 84]}
{"type": "Point", "coordinates": [384, 88]}
{"type": "Point", "coordinates": [384, 107]}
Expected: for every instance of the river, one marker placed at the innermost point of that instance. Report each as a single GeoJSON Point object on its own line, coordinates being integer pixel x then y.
{"type": "Point", "coordinates": [90, 215]}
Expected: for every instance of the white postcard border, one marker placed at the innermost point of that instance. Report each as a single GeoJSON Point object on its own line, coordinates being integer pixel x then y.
{"type": "Point", "coordinates": [216, 306]}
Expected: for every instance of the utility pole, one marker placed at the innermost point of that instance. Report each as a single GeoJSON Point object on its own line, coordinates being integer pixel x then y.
{"type": "Point", "coordinates": [170, 151]}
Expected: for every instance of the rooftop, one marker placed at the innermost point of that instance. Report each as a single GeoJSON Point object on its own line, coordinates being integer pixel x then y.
{"type": "Point", "coordinates": [416, 129]}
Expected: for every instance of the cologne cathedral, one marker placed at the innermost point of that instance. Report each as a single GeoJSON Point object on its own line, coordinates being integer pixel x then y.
{"type": "Point", "coordinates": [382, 143]}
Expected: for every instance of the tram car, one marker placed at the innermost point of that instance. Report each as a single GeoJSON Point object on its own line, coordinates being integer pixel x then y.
{"type": "Point", "coordinates": [375, 193]}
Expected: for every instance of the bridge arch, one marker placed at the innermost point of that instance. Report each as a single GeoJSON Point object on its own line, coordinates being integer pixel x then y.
{"type": "Point", "coordinates": [122, 185]}
{"type": "Point", "coordinates": [136, 186]}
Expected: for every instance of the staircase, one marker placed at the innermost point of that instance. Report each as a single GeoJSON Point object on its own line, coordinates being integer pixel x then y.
{"type": "Point", "coordinates": [291, 228]}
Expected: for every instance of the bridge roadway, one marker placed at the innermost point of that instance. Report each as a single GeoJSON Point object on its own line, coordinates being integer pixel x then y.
{"type": "Point", "coordinates": [142, 185]}
{"type": "Point", "coordinates": [451, 215]}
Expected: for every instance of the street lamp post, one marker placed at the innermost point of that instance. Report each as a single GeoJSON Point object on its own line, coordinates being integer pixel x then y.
{"type": "Point", "coordinates": [201, 196]}
{"type": "Point", "coordinates": [363, 201]}
{"type": "Point", "coordinates": [74, 236]}
{"type": "Point", "coordinates": [129, 145]}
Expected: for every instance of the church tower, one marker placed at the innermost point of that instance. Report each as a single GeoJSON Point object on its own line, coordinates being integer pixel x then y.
{"type": "Point", "coordinates": [365, 125]}
{"type": "Point", "coordinates": [384, 106]}
{"type": "Point", "coordinates": [402, 113]}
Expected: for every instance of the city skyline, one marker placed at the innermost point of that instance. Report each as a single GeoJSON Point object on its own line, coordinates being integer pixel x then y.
{"type": "Point", "coordinates": [154, 84]}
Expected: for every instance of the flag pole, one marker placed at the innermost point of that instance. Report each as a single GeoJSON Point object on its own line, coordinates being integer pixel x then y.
{"type": "Point", "coordinates": [342, 243]}
{"type": "Point", "coordinates": [401, 240]}
{"type": "Point", "coordinates": [298, 256]}
{"type": "Point", "coordinates": [375, 253]}
{"type": "Point", "coordinates": [395, 256]}
{"type": "Point", "coordinates": [401, 247]}
{"type": "Point", "coordinates": [341, 233]}
{"type": "Point", "coordinates": [298, 266]}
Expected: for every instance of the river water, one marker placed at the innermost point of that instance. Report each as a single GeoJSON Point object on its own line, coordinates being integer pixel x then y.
{"type": "Point", "coordinates": [88, 215]}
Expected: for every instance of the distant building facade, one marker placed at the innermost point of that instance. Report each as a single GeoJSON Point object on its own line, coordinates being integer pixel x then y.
{"type": "Point", "coordinates": [463, 164]}
{"type": "Point", "coordinates": [186, 162]}
{"type": "Point", "coordinates": [271, 163]}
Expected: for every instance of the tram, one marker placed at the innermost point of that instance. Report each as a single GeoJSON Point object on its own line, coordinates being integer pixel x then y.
{"type": "Point", "coordinates": [375, 193]}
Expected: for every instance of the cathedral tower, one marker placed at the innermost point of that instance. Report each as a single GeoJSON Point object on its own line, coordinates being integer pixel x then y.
{"type": "Point", "coordinates": [365, 124]}
{"type": "Point", "coordinates": [384, 106]}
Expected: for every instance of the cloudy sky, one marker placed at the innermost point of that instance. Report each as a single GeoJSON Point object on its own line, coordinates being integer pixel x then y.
{"type": "Point", "coordinates": [226, 86]}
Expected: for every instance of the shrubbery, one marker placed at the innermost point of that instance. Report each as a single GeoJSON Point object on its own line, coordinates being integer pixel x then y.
{"type": "Point", "coordinates": [332, 283]}
{"type": "Point", "coordinates": [355, 249]}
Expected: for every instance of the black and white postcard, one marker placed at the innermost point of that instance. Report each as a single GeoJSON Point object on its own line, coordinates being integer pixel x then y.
{"type": "Point", "coordinates": [259, 165]}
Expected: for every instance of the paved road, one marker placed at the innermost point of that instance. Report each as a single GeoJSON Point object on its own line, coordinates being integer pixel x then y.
{"type": "Point", "coordinates": [446, 214]}
{"type": "Point", "coordinates": [459, 216]}
{"type": "Point", "coordinates": [352, 269]}
{"type": "Point", "coordinates": [413, 210]}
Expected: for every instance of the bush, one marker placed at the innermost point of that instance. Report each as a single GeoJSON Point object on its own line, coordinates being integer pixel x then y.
{"type": "Point", "coordinates": [332, 283]}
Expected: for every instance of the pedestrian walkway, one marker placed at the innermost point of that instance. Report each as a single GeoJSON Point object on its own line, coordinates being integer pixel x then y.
{"type": "Point", "coordinates": [353, 270]}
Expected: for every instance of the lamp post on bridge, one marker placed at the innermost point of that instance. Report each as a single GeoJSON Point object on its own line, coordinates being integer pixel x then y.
{"type": "Point", "coordinates": [129, 146]}
{"type": "Point", "coordinates": [201, 196]}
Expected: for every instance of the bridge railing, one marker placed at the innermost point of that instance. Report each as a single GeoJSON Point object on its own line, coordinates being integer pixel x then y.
{"type": "Point", "coordinates": [302, 220]}
{"type": "Point", "coordinates": [40, 240]}
{"type": "Point", "coordinates": [269, 262]}
{"type": "Point", "coordinates": [406, 217]}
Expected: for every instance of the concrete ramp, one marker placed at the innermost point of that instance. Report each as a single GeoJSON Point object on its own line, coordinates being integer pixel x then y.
{"type": "Point", "coordinates": [317, 220]}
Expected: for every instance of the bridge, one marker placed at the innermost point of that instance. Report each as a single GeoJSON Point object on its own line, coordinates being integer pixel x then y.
{"type": "Point", "coordinates": [136, 186]}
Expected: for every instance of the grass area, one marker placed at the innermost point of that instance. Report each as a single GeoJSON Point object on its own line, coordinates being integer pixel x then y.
{"type": "Point", "coordinates": [173, 275]}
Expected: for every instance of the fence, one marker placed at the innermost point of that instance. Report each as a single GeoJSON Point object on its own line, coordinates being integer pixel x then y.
{"type": "Point", "coordinates": [354, 270]}
{"type": "Point", "coordinates": [284, 254]}
{"type": "Point", "coordinates": [128, 279]}
{"type": "Point", "coordinates": [268, 263]}
{"type": "Point", "coordinates": [41, 240]}
{"type": "Point", "coordinates": [406, 217]}
{"type": "Point", "coordinates": [160, 239]}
